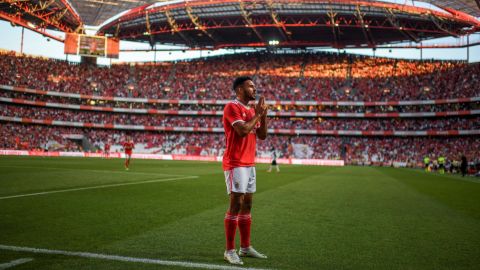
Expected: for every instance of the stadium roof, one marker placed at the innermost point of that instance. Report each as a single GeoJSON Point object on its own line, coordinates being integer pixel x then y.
{"type": "Point", "coordinates": [96, 12]}
{"type": "Point", "coordinates": [297, 23]}
{"type": "Point", "coordinates": [40, 15]}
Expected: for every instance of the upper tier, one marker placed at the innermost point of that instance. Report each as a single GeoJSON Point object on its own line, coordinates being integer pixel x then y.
{"type": "Point", "coordinates": [299, 77]}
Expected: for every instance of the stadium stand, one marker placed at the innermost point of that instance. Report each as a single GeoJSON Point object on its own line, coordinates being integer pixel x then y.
{"type": "Point", "coordinates": [320, 94]}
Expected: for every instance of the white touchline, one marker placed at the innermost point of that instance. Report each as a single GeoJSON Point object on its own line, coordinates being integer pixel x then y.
{"type": "Point", "coordinates": [124, 258]}
{"type": "Point", "coordinates": [15, 263]}
{"type": "Point", "coordinates": [88, 170]}
{"type": "Point", "coordinates": [97, 187]}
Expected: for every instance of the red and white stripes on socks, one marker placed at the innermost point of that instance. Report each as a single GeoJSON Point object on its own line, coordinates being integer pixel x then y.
{"type": "Point", "coordinates": [230, 222]}
{"type": "Point", "coordinates": [244, 224]}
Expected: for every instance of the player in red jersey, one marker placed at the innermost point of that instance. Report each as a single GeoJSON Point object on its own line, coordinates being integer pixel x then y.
{"type": "Point", "coordinates": [242, 124]}
{"type": "Point", "coordinates": [106, 150]}
{"type": "Point", "coordinates": [128, 146]}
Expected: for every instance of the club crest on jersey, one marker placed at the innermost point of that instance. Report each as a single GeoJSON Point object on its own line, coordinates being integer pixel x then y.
{"type": "Point", "coordinates": [244, 114]}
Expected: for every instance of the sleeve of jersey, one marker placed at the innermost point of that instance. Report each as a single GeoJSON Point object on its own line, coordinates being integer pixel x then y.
{"type": "Point", "coordinates": [232, 114]}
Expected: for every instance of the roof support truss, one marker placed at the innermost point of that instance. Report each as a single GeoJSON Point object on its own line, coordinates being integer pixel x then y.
{"type": "Point", "coordinates": [175, 29]}
{"type": "Point", "coordinates": [18, 20]}
{"type": "Point", "coordinates": [395, 22]}
{"type": "Point", "coordinates": [335, 27]}
{"type": "Point", "coordinates": [249, 22]}
{"type": "Point", "coordinates": [42, 5]}
{"type": "Point", "coordinates": [364, 26]}
{"type": "Point", "coordinates": [149, 31]}
{"type": "Point", "coordinates": [196, 21]}
{"type": "Point", "coordinates": [442, 26]}
{"type": "Point", "coordinates": [280, 24]}
{"type": "Point", "coordinates": [49, 17]}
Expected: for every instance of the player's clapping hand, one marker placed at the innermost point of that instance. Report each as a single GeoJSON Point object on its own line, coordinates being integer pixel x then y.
{"type": "Point", "coordinates": [261, 107]}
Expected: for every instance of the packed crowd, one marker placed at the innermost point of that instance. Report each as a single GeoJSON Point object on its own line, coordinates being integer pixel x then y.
{"type": "Point", "coordinates": [306, 76]}
{"type": "Point", "coordinates": [274, 108]}
{"type": "Point", "coordinates": [354, 150]}
{"type": "Point", "coordinates": [363, 124]}
{"type": "Point", "coordinates": [40, 138]}
{"type": "Point", "coordinates": [299, 77]}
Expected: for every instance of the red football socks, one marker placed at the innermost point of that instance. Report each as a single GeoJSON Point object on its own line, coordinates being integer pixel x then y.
{"type": "Point", "coordinates": [244, 224]}
{"type": "Point", "coordinates": [230, 222]}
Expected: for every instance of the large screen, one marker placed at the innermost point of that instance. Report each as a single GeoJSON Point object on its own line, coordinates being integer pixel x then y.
{"type": "Point", "coordinates": [92, 46]}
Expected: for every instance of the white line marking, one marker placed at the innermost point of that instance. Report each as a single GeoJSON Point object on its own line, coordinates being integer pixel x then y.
{"type": "Point", "coordinates": [15, 263]}
{"type": "Point", "coordinates": [101, 171]}
{"type": "Point", "coordinates": [124, 258]}
{"type": "Point", "coordinates": [97, 187]}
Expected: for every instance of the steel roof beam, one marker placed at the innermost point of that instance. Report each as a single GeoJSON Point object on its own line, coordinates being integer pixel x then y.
{"type": "Point", "coordinates": [280, 25]}
{"type": "Point", "coordinates": [365, 30]}
{"type": "Point", "coordinates": [43, 5]}
{"type": "Point", "coordinates": [149, 31]}
{"type": "Point", "coordinates": [335, 29]}
{"type": "Point", "coordinates": [439, 24]}
{"type": "Point", "coordinates": [51, 18]}
{"type": "Point", "coordinates": [196, 21]}
{"type": "Point", "coordinates": [174, 27]}
{"type": "Point", "coordinates": [19, 21]}
{"type": "Point", "coordinates": [248, 21]}
{"type": "Point", "coordinates": [394, 21]}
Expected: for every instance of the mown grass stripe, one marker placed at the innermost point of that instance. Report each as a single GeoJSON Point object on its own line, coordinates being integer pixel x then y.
{"type": "Point", "coordinates": [97, 187]}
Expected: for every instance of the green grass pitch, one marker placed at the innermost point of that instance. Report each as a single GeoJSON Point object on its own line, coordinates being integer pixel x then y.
{"type": "Point", "coordinates": [305, 217]}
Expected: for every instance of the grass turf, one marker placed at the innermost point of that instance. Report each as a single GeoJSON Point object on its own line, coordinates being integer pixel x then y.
{"type": "Point", "coordinates": [303, 218]}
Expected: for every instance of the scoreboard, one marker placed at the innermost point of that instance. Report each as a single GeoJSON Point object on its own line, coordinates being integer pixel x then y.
{"type": "Point", "coordinates": [91, 46]}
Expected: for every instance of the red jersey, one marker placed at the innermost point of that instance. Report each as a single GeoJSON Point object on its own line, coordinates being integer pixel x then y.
{"type": "Point", "coordinates": [240, 151]}
{"type": "Point", "coordinates": [128, 146]}
{"type": "Point", "coordinates": [107, 147]}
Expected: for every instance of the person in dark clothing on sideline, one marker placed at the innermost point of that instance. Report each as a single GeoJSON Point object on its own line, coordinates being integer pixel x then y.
{"type": "Point", "coordinates": [464, 165]}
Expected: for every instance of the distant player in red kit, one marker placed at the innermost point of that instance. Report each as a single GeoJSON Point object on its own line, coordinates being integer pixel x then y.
{"type": "Point", "coordinates": [128, 146]}
{"type": "Point", "coordinates": [242, 124]}
{"type": "Point", "coordinates": [106, 150]}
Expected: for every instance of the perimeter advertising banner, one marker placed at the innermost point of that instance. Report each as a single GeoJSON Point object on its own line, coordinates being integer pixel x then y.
{"type": "Point", "coordinates": [71, 44]}
{"type": "Point", "coordinates": [316, 162]}
{"type": "Point", "coordinates": [113, 48]}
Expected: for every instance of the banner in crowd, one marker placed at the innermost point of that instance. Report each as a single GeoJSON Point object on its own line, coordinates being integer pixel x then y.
{"type": "Point", "coordinates": [301, 151]}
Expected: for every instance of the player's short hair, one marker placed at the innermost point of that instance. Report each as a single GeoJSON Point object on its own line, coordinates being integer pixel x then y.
{"type": "Point", "coordinates": [240, 80]}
